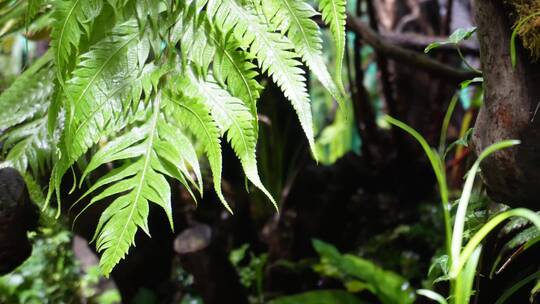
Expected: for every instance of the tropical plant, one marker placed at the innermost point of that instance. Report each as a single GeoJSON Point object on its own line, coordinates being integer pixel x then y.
{"type": "Point", "coordinates": [156, 84]}
{"type": "Point", "coordinates": [53, 274]}
{"type": "Point", "coordinates": [461, 261]}
{"type": "Point", "coordinates": [360, 274]}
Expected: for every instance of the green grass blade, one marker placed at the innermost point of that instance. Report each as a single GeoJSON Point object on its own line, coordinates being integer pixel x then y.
{"type": "Point", "coordinates": [486, 229]}
{"type": "Point", "coordinates": [510, 291]}
{"type": "Point", "coordinates": [457, 236]}
{"type": "Point", "coordinates": [513, 55]}
{"type": "Point", "coordinates": [432, 296]}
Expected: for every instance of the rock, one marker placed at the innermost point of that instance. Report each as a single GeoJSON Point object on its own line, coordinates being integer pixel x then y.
{"type": "Point", "coordinates": [193, 239]}
{"type": "Point", "coordinates": [18, 215]}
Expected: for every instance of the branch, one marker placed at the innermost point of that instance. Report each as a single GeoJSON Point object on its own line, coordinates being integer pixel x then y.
{"type": "Point", "coordinates": [420, 42]}
{"type": "Point", "coordinates": [408, 57]}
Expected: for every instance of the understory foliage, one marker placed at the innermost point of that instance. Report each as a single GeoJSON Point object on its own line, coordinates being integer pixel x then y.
{"type": "Point", "coordinates": [148, 88]}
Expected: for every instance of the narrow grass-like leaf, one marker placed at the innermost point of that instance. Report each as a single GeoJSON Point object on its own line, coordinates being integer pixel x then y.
{"type": "Point", "coordinates": [459, 222]}
{"type": "Point", "coordinates": [465, 280]}
{"type": "Point", "coordinates": [513, 53]}
{"type": "Point", "coordinates": [432, 296]}
{"type": "Point", "coordinates": [517, 286]}
{"type": "Point", "coordinates": [438, 168]}
{"type": "Point", "coordinates": [479, 236]}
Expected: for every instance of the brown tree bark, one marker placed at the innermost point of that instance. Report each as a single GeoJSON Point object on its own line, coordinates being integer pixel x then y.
{"type": "Point", "coordinates": [512, 95]}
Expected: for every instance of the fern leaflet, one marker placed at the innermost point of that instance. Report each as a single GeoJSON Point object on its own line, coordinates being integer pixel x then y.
{"type": "Point", "coordinates": [273, 52]}
{"type": "Point", "coordinates": [293, 18]}
{"type": "Point", "coordinates": [334, 15]}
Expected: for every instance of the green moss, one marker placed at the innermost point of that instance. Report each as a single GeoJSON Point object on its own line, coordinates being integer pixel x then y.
{"type": "Point", "coordinates": [529, 31]}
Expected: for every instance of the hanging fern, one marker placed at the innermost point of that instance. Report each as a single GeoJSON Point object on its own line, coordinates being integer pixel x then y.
{"type": "Point", "coordinates": [72, 19]}
{"type": "Point", "coordinates": [293, 18]}
{"type": "Point", "coordinates": [152, 80]}
{"type": "Point", "coordinates": [334, 15]}
{"type": "Point", "coordinates": [26, 144]}
{"type": "Point", "coordinates": [28, 95]}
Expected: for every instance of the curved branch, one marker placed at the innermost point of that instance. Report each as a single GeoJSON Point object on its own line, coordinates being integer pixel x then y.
{"type": "Point", "coordinates": [417, 41]}
{"type": "Point", "coordinates": [405, 56]}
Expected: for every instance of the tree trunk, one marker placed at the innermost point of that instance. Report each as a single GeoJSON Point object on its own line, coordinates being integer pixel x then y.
{"type": "Point", "coordinates": [512, 95]}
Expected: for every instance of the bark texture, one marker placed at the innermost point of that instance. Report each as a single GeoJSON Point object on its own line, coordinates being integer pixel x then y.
{"type": "Point", "coordinates": [512, 96]}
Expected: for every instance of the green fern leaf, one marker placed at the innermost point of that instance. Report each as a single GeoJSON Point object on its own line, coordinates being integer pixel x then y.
{"type": "Point", "coordinates": [191, 30]}
{"type": "Point", "coordinates": [157, 79]}
{"type": "Point", "coordinates": [273, 52]}
{"type": "Point", "coordinates": [103, 72]}
{"type": "Point", "coordinates": [293, 18]}
{"type": "Point", "coordinates": [25, 139]}
{"type": "Point", "coordinates": [233, 117]}
{"type": "Point", "coordinates": [194, 115]}
{"type": "Point", "coordinates": [29, 95]}
{"type": "Point", "coordinates": [71, 19]}
{"type": "Point", "coordinates": [29, 147]}
{"type": "Point", "coordinates": [235, 72]}
{"type": "Point", "coordinates": [137, 184]}
{"type": "Point", "coordinates": [32, 10]}
{"type": "Point", "coordinates": [334, 15]}
{"type": "Point", "coordinates": [103, 83]}
{"type": "Point", "coordinates": [183, 154]}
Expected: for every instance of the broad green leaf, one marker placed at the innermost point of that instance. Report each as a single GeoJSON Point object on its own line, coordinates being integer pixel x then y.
{"type": "Point", "coordinates": [465, 84]}
{"type": "Point", "coordinates": [389, 287]}
{"type": "Point", "coordinates": [457, 36]}
{"type": "Point", "coordinates": [319, 297]}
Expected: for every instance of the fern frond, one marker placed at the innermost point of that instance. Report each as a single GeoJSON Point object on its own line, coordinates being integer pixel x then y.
{"type": "Point", "coordinates": [28, 95]}
{"type": "Point", "coordinates": [273, 52]}
{"type": "Point", "coordinates": [104, 83]}
{"type": "Point", "coordinates": [94, 89]}
{"type": "Point", "coordinates": [334, 15]}
{"type": "Point", "coordinates": [23, 118]}
{"type": "Point", "coordinates": [233, 117]}
{"type": "Point", "coordinates": [29, 147]}
{"type": "Point", "coordinates": [195, 116]}
{"type": "Point", "coordinates": [72, 18]}
{"type": "Point", "coordinates": [102, 73]}
{"type": "Point", "coordinates": [191, 30]}
{"type": "Point", "coordinates": [135, 184]}
{"type": "Point", "coordinates": [32, 9]}
{"type": "Point", "coordinates": [179, 144]}
{"type": "Point", "coordinates": [234, 71]}
{"type": "Point", "coordinates": [293, 18]}
{"type": "Point", "coordinates": [157, 79]}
